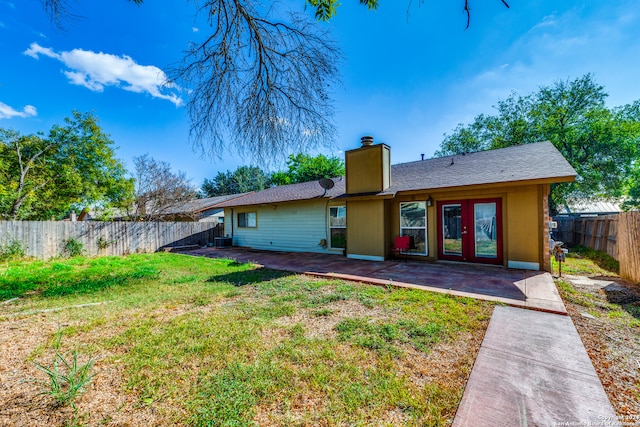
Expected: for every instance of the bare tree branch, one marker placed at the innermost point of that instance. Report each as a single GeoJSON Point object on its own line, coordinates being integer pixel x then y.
{"type": "Point", "coordinates": [158, 189]}
{"type": "Point", "coordinates": [260, 86]}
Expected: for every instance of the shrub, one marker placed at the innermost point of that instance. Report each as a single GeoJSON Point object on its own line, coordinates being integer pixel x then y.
{"type": "Point", "coordinates": [11, 251]}
{"type": "Point", "coordinates": [104, 243]}
{"type": "Point", "coordinates": [73, 247]}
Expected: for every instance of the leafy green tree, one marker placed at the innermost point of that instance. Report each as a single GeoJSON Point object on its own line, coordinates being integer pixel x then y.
{"type": "Point", "coordinates": [305, 168]}
{"type": "Point", "coordinates": [243, 180]}
{"type": "Point", "coordinates": [73, 167]}
{"type": "Point", "coordinates": [632, 201]}
{"type": "Point", "coordinates": [602, 144]}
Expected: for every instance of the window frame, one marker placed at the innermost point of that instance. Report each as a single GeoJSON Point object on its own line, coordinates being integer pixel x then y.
{"type": "Point", "coordinates": [340, 227]}
{"type": "Point", "coordinates": [425, 227]}
{"type": "Point", "coordinates": [246, 221]}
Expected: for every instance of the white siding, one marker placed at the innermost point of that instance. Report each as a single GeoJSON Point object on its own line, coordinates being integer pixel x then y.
{"type": "Point", "coordinates": [291, 227]}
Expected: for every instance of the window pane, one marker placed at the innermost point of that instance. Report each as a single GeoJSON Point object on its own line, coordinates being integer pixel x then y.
{"type": "Point", "coordinates": [247, 219]}
{"type": "Point", "coordinates": [417, 243]}
{"type": "Point", "coordinates": [338, 216]}
{"type": "Point", "coordinates": [413, 214]}
{"type": "Point", "coordinates": [339, 238]}
{"type": "Point", "coordinates": [452, 229]}
{"type": "Point", "coordinates": [252, 219]}
{"type": "Point", "coordinates": [485, 230]}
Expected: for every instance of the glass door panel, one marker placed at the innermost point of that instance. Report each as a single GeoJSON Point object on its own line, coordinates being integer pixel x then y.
{"type": "Point", "coordinates": [486, 238]}
{"type": "Point", "coordinates": [452, 229]}
{"type": "Point", "coordinates": [413, 223]}
{"type": "Point", "coordinates": [470, 230]}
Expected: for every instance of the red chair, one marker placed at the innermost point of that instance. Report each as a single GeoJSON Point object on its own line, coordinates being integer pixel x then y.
{"type": "Point", "coordinates": [400, 245]}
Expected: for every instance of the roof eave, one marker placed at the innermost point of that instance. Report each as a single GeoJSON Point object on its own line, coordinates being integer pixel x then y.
{"type": "Point", "coordinates": [536, 181]}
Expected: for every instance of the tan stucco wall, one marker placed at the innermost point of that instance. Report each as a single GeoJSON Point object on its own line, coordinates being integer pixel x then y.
{"type": "Point", "coordinates": [366, 235]}
{"type": "Point", "coordinates": [522, 225]}
{"type": "Point", "coordinates": [368, 169]}
{"type": "Point", "coordinates": [523, 219]}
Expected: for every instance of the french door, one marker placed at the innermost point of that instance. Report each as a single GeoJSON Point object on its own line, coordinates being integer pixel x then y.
{"type": "Point", "coordinates": [470, 230]}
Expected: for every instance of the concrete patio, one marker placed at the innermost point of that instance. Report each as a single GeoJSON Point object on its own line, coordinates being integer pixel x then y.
{"type": "Point", "coordinates": [518, 288]}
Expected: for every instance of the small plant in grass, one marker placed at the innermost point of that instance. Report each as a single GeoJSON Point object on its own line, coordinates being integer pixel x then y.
{"type": "Point", "coordinates": [11, 251]}
{"type": "Point", "coordinates": [66, 377]}
{"type": "Point", "coordinates": [73, 247]}
{"type": "Point", "coordinates": [104, 243]}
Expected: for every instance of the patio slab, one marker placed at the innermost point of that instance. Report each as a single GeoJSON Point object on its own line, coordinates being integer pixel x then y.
{"type": "Point", "coordinates": [520, 288]}
{"type": "Point", "coordinates": [533, 370]}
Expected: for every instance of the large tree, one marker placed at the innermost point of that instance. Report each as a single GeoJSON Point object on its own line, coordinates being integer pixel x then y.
{"type": "Point", "coordinates": [74, 166]}
{"type": "Point", "coordinates": [260, 81]}
{"type": "Point", "coordinates": [243, 180]}
{"type": "Point", "coordinates": [159, 191]}
{"type": "Point", "coordinates": [601, 143]}
{"type": "Point", "coordinates": [305, 168]}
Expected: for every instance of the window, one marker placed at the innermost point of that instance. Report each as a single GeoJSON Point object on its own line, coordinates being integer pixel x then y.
{"type": "Point", "coordinates": [338, 227]}
{"type": "Point", "coordinates": [413, 223]}
{"type": "Point", "coordinates": [247, 220]}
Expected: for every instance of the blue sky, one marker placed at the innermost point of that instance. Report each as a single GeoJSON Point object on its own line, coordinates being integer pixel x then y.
{"type": "Point", "coordinates": [407, 77]}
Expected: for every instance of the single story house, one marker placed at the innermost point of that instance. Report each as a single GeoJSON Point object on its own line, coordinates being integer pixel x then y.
{"type": "Point", "coordinates": [486, 207]}
{"type": "Point", "coordinates": [199, 210]}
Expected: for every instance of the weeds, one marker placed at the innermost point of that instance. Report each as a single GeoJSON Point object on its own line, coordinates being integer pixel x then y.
{"type": "Point", "coordinates": [586, 261]}
{"type": "Point", "coordinates": [67, 379]}
{"type": "Point", "coordinates": [73, 247]}
{"type": "Point", "coordinates": [104, 243]}
{"type": "Point", "coordinates": [11, 251]}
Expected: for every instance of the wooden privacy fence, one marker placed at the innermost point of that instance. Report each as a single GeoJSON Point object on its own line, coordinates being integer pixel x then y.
{"type": "Point", "coordinates": [618, 235]}
{"type": "Point", "coordinates": [45, 239]}
{"type": "Point", "coordinates": [594, 232]}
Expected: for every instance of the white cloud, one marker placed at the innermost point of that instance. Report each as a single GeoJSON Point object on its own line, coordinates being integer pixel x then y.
{"type": "Point", "coordinates": [7, 112]}
{"type": "Point", "coordinates": [195, 29]}
{"type": "Point", "coordinates": [95, 70]}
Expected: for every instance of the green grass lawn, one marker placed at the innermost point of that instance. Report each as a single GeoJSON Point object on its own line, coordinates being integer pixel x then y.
{"type": "Point", "coordinates": [586, 261]}
{"type": "Point", "coordinates": [207, 342]}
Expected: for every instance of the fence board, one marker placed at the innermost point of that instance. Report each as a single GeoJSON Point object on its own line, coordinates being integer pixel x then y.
{"type": "Point", "coordinates": [45, 239]}
{"type": "Point", "coordinates": [598, 232]}
{"type": "Point", "coordinates": [629, 246]}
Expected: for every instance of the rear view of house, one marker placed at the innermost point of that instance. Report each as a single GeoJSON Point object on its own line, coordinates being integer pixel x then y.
{"type": "Point", "coordinates": [487, 207]}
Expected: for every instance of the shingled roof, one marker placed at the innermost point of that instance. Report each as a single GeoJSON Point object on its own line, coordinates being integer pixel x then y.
{"type": "Point", "coordinates": [522, 163]}
{"type": "Point", "coordinates": [527, 162]}
{"type": "Point", "coordinates": [199, 205]}
{"type": "Point", "coordinates": [289, 193]}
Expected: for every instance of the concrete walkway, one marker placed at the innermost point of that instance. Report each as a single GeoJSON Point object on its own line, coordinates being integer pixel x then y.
{"type": "Point", "coordinates": [519, 288]}
{"type": "Point", "coordinates": [533, 370]}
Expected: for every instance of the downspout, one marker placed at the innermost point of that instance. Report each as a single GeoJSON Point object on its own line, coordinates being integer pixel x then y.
{"type": "Point", "coordinates": [326, 224]}
{"type": "Point", "coordinates": [231, 226]}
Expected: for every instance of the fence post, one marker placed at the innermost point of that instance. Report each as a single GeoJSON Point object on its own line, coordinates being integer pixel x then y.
{"type": "Point", "coordinates": [628, 241]}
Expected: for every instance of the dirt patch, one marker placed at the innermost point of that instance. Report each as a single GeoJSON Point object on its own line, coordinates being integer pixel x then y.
{"type": "Point", "coordinates": [320, 322]}
{"type": "Point", "coordinates": [21, 401]}
{"type": "Point", "coordinates": [612, 340]}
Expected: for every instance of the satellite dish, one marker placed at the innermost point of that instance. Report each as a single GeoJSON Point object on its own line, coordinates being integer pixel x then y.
{"type": "Point", "coordinates": [326, 183]}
